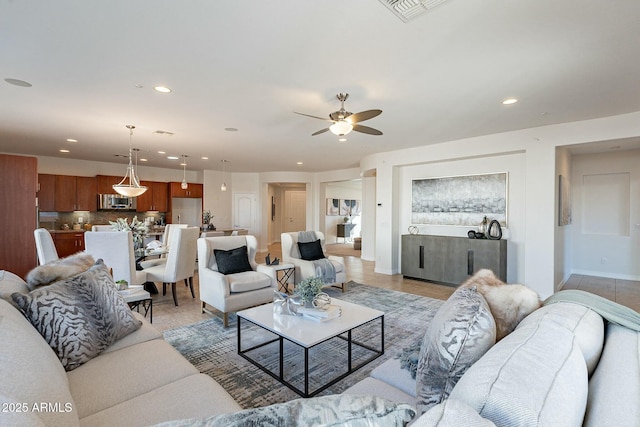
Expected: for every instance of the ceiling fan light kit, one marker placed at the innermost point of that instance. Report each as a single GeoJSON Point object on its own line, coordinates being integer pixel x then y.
{"type": "Point", "coordinates": [133, 187]}
{"type": "Point", "coordinates": [344, 121]}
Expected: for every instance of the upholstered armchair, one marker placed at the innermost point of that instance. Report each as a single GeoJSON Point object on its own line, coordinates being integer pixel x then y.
{"type": "Point", "coordinates": [306, 268]}
{"type": "Point", "coordinates": [230, 279]}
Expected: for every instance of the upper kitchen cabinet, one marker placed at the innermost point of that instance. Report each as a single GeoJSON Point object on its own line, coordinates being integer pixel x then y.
{"type": "Point", "coordinates": [105, 183]}
{"type": "Point", "coordinates": [66, 193]}
{"type": "Point", "coordinates": [155, 198]}
{"type": "Point", "coordinates": [193, 191]}
{"type": "Point", "coordinates": [46, 192]}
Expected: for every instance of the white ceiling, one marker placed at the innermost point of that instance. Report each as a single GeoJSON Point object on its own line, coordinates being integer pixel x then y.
{"type": "Point", "coordinates": [250, 64]}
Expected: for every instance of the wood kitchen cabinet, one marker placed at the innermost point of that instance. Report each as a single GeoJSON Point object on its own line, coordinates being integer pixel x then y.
{"type": "Point", "coordinates": [105, 183]}
{"type": "Point", "coordinates": [452, 260]}
{"type": "Point", "coordinates": [46, 192]}
{"type": "Point", "coordinates": [193, 191]}
{"type": "Point", "coordinates": [155, 198]}
{"type": "Point", "coordinates": [68, 242]}
{"type": "Point", "coordinates": [65, 193]}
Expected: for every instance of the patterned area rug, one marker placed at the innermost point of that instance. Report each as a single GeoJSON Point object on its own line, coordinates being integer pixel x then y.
{"type": "Point", "coordinates": [212, 349]}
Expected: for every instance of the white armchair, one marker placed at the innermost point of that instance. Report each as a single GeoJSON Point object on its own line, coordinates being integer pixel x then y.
{"type": "Point", "coordinates": [306, 269]}
{"type": "Point", "coordinates": [229, 293]}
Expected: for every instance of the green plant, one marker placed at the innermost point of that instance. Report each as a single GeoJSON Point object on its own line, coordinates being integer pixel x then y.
{"type": "Point", "coordinates": [138, 230]}
{"type": "Point", "coordinates": [309, 288]}
{"type": "Point", "coordinates": [206, 217]}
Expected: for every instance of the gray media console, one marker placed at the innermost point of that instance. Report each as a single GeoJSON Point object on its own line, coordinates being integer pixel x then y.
{"type": "Point", "coordinates": [451, 260]}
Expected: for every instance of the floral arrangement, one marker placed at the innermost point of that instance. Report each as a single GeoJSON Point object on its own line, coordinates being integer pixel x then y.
{"type": "Point", "coordinates": [137, 228]}
{"type": "Point", "coordinates": [309, 288]}
{"type": "Point", "coordinates": [206, 217]}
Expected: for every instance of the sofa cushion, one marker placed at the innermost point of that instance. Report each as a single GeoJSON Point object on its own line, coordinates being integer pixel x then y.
{"type": "Point", "coordinates": [614, 389]}
{"type": "Point", "coordinates": [232, 261]}
{"type": "Point", "coordinates": [194, 396]}
{"type": "Point", "coordinates": [59, 269]}
{"type": "Point", "coordinates": [80, 316]}
{"type": "Point", "coordinates": [248, 281]}
{"type": "Point", "coordinates": [30, 373]}
{"type": "Point", "coordinates": [375, 387]}
{"type": "Point", "coordinates": [138, 369]}
{"type": "Point", "coordinates": [537, 375]}
{"type": "Point", "coordinates": [147, 332]}
{"type": "Point", "coordinates": [452, 413]}
{"type": "Point", "coordinates": [460, 333]}
{"type": "Point", "coordinates": [393, 373]}
{"type": "Point", "coordinates": [10, 283]}
{"type": "Point", "coordinates": [333, 410]}
{"type": "Point", "coordinates": [311, 251]}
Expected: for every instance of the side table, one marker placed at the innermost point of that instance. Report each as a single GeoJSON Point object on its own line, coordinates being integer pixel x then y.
{"type": "Point", "coordinates": [139, 299]}
{"type": "Point", "coordinates": [284, 272]}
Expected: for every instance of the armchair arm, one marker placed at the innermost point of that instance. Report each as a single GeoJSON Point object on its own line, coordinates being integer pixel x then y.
{"type": "Point", "coordinates": [269, 271]}
{"type": "Point", "coordinates": [304, 269]}
{"type": "Point", "coordinates": [213, 285]}
{"type": "Point", "coordinates": [336, 258]}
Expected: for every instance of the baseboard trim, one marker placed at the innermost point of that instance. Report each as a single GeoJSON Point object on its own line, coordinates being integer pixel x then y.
{"type": "Point", "coordinates": [605, 275]}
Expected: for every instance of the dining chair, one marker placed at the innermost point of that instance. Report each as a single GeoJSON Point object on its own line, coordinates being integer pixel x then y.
{"type": "Point", "coordinates": [180, 264]}
{"type": "Point", "coordinates": [212, 234]}
{"type": "Point", "coordinates": [102, 228]}
{"type": "Point", "coordinates": [166, 242]}
{"type": "Point", "coordinates": [45, 247]}
{"type": "Point", "coordinates": [116, 250]}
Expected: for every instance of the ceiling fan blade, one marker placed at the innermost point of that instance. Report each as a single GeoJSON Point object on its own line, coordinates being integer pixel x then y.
{"type": "Point", "coordinates": [314, 117]}
{"type": "Point", "coordinates": [364, 115]}
{"type": "Point", "coordinates": [366, 129]}
{"type": "Point", "coordinates": [319, 132]}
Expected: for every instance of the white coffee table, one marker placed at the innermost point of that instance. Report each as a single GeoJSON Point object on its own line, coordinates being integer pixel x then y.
{"type": "Point", "coordinates": [307, 334]}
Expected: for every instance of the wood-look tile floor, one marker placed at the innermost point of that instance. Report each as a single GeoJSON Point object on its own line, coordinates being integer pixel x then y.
{"type": "Point", "coordinates": [167, 316]}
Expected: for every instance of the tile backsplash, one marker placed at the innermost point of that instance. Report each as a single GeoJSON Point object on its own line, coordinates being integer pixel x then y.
{"type": "Point", "coordinates": [55, 220]}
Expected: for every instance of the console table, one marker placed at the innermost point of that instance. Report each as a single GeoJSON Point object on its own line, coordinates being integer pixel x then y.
{"type": "Point", "coordinates": [451, 260]}
{"type": "Point", "coordinates": [344, 231]}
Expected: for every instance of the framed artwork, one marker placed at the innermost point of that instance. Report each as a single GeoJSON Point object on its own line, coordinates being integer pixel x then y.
{"type": "Point", "coordinates": [564, 201]}
{"type": "Point", "coordinates": [273, 208]}
{"type": "Point", "coordinates": [333, 207]}
{"type": "Point", "coordinates": [460, 200]}
{"type": "Point", "coordinates": [348, 206]}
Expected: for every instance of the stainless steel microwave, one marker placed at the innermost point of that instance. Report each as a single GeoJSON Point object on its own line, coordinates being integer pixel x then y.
{"type": "Point", "coordinates": [116, 202]}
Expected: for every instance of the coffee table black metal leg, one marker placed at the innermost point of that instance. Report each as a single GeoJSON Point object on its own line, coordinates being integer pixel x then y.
{"type": "Point", "coordinates": [306, 372]}
{"type": "Point", "coordinates": [349, 350]}
{"type": "Point", "coordinates": [281, 359]}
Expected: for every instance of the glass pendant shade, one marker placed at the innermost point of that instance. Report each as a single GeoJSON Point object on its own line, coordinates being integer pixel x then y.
{"type": "Point", "coordinates": [130, 186]}
{"type": "Point", "coordinates": [184, 184]}
{"type": "Point", "coordinates": [341, 127]}
{"type": "Point", "coordinates": [223, 187]}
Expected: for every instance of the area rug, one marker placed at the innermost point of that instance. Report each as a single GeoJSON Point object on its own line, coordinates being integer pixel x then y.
{"type": "Point", "coordinates": [212, 349]}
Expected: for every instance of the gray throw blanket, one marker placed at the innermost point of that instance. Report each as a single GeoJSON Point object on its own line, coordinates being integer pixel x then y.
{"type": "Point", "coordinates": [324, 268]}
{"type": "Point", "coordinates": [611, 311]}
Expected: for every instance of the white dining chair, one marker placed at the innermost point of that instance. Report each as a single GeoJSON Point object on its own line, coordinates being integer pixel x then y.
{"type": "Point", "coordinates": [166, 242]}
{"type": "Point", "coordinates": [45, 247]}
{"type": "Point", "coordinates": [116, 250]}
{"type": "Point", "coordinates": [180, 264]}
{"type": "Point", "coordinates": [102, 228]}
{"type": "Point", "coordinates": [212, 234]}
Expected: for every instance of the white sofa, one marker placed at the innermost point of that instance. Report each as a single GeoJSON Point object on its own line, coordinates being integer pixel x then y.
{"type": "Point", "coordinates": [139, 380]}
{"type": "Point", "coordinates": [562, 366]}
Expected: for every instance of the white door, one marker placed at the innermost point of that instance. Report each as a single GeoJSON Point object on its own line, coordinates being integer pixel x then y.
{"type": "Point", "coordinates": [295, 211]}
{"type": "Point", "coordinates": [244, 211]}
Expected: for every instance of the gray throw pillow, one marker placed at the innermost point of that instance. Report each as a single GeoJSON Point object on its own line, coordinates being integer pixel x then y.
{"type": "Point", "coordinates": [80, 316]}
{"type": "Point", "coordinates": [334, 410]}
{"type": "Point", "coordinates": [460, 333]}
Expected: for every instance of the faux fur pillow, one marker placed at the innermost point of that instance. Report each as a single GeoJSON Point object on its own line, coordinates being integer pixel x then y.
{"type": "Point", "coordinates": [509, 304]}
{"type": "Point", "coordinates": [80, 316]}
{"type": "Point", "coordinates": [59, 269]}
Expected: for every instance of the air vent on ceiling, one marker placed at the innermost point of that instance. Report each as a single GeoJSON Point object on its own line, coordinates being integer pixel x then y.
{"type": "Point", "coordinates": [408, 10]}
{"type": "Point", "coordinates": [163, 132]}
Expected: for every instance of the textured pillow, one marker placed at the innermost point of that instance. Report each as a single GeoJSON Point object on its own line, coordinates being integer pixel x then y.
{"type": "Point", "coordinates": [232, 261]}
{"type": "Point", "coordinates": [59, 269]}
{"type": "Point", "coordinates": [311, 251]}
{"type": "Point", "coordinates": [80, 316]}
{"type": "Point", "coordinates": [333, 410]}
{"type": "Point", "coordinates": [460, 333]}
{"type": "Point", "coordinates": [10, 283]}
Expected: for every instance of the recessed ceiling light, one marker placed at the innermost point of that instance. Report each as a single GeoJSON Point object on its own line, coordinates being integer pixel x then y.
{"type": "Point", "coordinates": [71, 140]}
{"type": "Point", "coordinates": [231, 129]}
{"type": "Point", "coordinates": [299, 163]}
{"type": "Point", "coordinates": [204, 158]}
{"type": "Point", "coordinates": [17, 82]}
{"type": "Point", "coordinates": [172, 157]}
{"type": "Point", "coordinates": [144, 160]}
{"type": "Point", "coordinates": [64, 150]}
{"type": "Point", "coordinates": [162, 152]}
{"type": "Point", "coordinates": [509, 101]}
{"type": "Point", "coordinates": [342, 139]}
{"type": "Point", "coordinates": [162, 89]}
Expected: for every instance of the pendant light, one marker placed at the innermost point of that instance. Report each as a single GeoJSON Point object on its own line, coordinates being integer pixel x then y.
{"type": "Point", "coordinates": [133, 188]}
{"type": "Point", "coordinates": [184, 184]}
{"type": "Point", "coordinates": [223, 187]}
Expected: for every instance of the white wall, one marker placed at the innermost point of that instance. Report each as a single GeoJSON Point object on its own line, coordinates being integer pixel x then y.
{"type": "Point", "coordinates": [536, 233]}
{"type": "Point", "coordinates": [610, 246]}
{"type": "Point", "coordinates": [340, 190]}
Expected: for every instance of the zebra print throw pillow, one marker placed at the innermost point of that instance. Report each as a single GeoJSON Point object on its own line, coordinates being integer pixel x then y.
{"type": "Point", "coordinates": [460, 333]}
{"type": "Point", "coordinates": [79, 316]}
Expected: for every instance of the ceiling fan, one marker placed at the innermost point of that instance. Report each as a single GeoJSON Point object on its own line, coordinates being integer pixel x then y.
{"type": "Point", "coordinates": [345, 121]}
